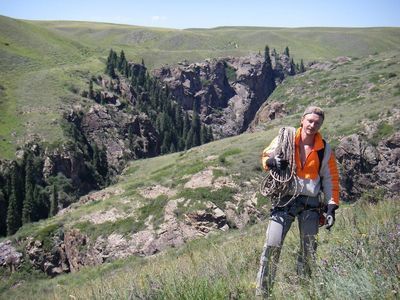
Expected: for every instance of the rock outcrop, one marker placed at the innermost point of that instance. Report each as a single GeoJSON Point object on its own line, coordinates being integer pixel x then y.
{"type": "Point", "coordinates": [228, 91]}
{"type": "Point", "coordinates": [9, 256]}
{"type": "Point", "coordinates": [51, 258]}
{"type": "Point", "coordinates": [124, 136]}
{"type": "Point", "coordinates": [366, 168]}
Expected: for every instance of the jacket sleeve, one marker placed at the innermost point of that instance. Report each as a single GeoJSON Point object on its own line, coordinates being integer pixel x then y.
{"type": "Point", "coordinates": [330, 177]}
{"type": "Point", "coordinates": [267, 152]}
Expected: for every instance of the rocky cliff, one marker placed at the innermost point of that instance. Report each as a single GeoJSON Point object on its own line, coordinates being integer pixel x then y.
{"type": "Point", "coordinates": [229, 91]}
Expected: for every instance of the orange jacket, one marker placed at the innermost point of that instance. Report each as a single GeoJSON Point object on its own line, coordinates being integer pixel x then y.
{"type": "Point", "coordinates": [310, 174]}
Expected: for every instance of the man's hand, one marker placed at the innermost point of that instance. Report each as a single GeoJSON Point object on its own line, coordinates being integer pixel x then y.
{"type": "Point", "coordinates": [277, 163]}
{"type": "Point", "coordinates": [330, 215]}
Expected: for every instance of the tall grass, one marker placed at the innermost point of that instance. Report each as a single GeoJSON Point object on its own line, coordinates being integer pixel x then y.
{"type": "Point", "coordinates": [357, 259]}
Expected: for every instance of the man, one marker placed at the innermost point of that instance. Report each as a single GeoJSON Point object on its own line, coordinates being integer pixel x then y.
{"type": "Point", "coordinates": [314, 173]}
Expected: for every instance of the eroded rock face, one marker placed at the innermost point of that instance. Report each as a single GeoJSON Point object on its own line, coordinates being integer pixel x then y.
{"type": "Point", "coordinates": [9, 256]}
{"type": "Point", "coordinates": [268, 111]}
{"type": "Point", "coordinates": [365, 167]}
{"type": "Point", "coordinates": [229, 91]}
{"type": "Point", "coordinates": [79, 251]}
{"type": "Point", "coordinates": [52, 261]}
{"type": "Point", "coordinates": [124, 136]}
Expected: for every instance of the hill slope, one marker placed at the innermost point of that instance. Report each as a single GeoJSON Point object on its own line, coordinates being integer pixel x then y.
{"type": "Point", "coordinates": [48, 63]}
{"type": "Point", "coordinates": [190, 189]}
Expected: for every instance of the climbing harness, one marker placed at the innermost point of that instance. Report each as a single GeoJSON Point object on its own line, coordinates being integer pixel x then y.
{"type": "Point", "coordinates": [277, 183]}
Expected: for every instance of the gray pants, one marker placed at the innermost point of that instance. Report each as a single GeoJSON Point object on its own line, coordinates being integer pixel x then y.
{"type": "Point", "coordinates": [307, 211]}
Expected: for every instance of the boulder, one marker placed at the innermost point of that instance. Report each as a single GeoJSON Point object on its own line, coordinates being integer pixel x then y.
{"type": "Point", "coordinates": [364, 167]}
{"type": "Point", "coordinates": [9, 256]}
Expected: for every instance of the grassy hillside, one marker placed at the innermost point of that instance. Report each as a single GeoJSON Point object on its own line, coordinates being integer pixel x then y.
{"type": "Point", "coordinates": [39, 70]}
{"type": "Point", "coordinates": [357, 259]}
{"type": "Point", "coordinates": [350, 91]}
{"type": "Point", "coordinates": [196, 44]}
{"type": "Point", "coordinates": [44, 64]}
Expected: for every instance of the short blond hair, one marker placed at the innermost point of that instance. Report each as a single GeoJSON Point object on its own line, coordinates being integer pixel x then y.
{"type": "Point", "coordinates": [314, 110]}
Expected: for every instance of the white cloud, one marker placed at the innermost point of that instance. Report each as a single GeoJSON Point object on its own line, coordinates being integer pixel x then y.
{"type": "Point", "coordinates": [158, 18]}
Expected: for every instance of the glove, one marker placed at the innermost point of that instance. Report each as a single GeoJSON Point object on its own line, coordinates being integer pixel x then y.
{"type": "Point", "coordinates": [330, 215]}
{"type": "Point", "coordinates": [277, 163]}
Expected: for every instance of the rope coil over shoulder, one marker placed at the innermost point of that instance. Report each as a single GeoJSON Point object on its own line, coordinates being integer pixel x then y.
{"type": "Point", "coordinates": [277, 183]}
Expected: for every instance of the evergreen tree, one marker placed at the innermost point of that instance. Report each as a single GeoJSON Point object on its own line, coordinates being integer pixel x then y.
{"type": "Point", "coordinates": [267, 58]}
{"type": "Point", "coordinates": [203, 135]}
{"type": "Point", "coordinates": [54, 201]}
{"type": "Point", "coordinates": [121, 62]}
{"type": "Point", "coordinates": [287, 51]}
{"type": "Point", "coordinates": [15, 200]}
{"type": "Point", "coordinates": [189, 139]}
{"type": "Point", "coordinates": [110, 70]}
{"type": "Point", "coordinates": [210, 134]}
{"type": "Point", "coordinates": [302, 68]}
{"type": "Point", "coordinates": [13, 217]}
{"type": "Point", "coordinates": [29, 188]}
{"type": "Point", "coordinates": [292, 70]}
{"type": "Point", "coordinates": [186, 126]}
{"type": "Point", "coordinates": [91, 91]}
{"type": "Point", "coordinates": [111, 64]}
{"type": "Point", "coordinates": [172, 149]}
{"type": "Point", "coordinates": [41, 204]}
{"type": "Point", "coordinates": [166, 145]}
{"type": "Point", "coordinates": [3, 213]}
{"type": "Point", "coordinates": [178, 120]}
{"type": "Point", "coordinates": [196, 127]}
{"type": "Point", "coordinates": [100, 163]}
{"type": "Point", "coordinates": [141, 77]}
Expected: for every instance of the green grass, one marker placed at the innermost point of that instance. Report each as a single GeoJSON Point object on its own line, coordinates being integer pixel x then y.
{"type": "Point", "coordinates": [224, 265]}
{"type": "Point", "coordinates": [358, 258]}
{"type": "Point", "coordinates": [203, 194]}
{"type": "Point", "coordinates": [41, 61]}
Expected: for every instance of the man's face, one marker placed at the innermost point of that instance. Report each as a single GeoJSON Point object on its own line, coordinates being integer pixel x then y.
{"type": "Point", "coordinates": [311, 123]}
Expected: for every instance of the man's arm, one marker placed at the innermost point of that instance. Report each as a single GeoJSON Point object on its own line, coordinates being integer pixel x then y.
{"type": "Point", "coordinates": [330, 177]}
{"type": "Point", "coordinates": [268, 152]}
{"type": "Point", "coordinates": [330, 185]}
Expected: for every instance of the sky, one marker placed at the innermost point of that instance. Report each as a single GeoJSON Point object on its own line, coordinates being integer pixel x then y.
{"type": "Point", "coordinates": [181, 14]}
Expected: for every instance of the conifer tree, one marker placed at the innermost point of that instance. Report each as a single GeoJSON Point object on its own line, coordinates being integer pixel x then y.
{"type": "Point", "coordinates": [13, 217]}
{"type": "Point", "coordinates": [302, 68]}
{"type": "Point", "coordinates": [195, 128]}
{"type": "Point", "coordinates": [292, 67]}
{"type": "Point", "coordinates": [14, 208]}
{"type": "Point", "coordinates": [186, 126]}
{"type": "Point", "coordinates": [111, 64]}
{"type": "Point", "coordinates": [91, 92]}
{"type": "Point", "coordinates": [210, 137]}
{"type": "Point", "coordinates": [189, 139]}
{"type": "Point", "coordinates": [203, 134]}
{"type": "Point", "coordinates": [287, 51]}
{"type": "Point", "coordinates": [3, 213]}
{"type": "Point", "coordinates": [40, 208]}
{"type": "Point", "coordinates": [29, 188]}
{"type": "Point", "coordinates": [53, 201]}
{"type": "Point", "coordinates": [121, 62]}
{"type": "Point", "coordinates": [267, 58]}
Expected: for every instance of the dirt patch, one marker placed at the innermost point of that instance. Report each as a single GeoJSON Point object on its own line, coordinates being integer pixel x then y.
{"type": "Point", "coordinates": [201, 179]}
{"type": "Point", "coordinates": [154, 191]}
{"type": "Point", "coordinates": [101, 195]}
{"type": "Point", "coordinates": [205, 178]}
{"type": "Point", "coordinates": [104, 216]}
{"type": "Point", "coordinates": [224, 181]}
